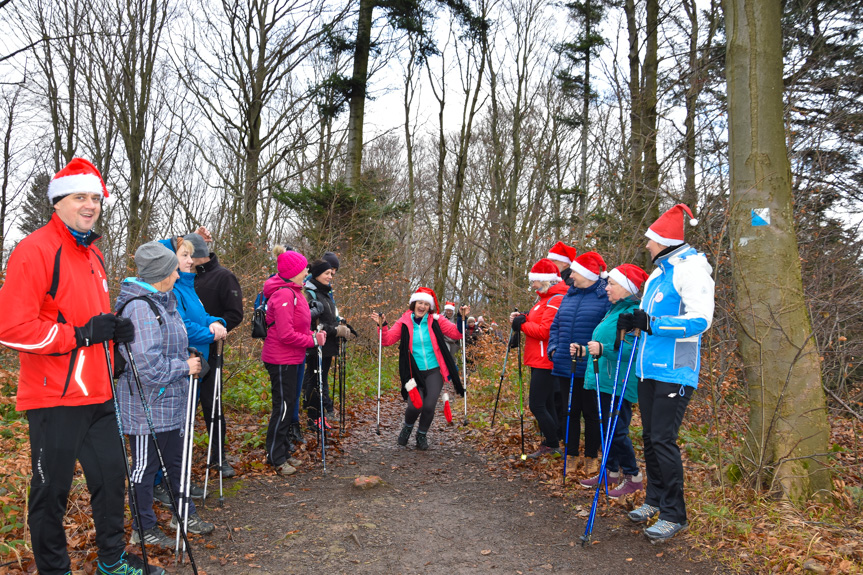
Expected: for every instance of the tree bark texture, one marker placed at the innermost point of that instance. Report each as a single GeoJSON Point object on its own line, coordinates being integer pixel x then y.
{"type": "Point", "coordinates": [354, 161]}
{"type": "Point", "coordinates": [788, 414]}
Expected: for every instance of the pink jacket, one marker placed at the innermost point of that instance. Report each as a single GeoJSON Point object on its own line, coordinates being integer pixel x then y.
{"type": "Point", "coordinates": [391, 336]}
{"type": "Point", "coordinates": [290, 321]}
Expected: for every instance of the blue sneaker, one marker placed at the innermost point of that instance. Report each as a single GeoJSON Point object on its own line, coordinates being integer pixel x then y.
{"type": "Point", "coordinates": [663, 530]}
{"type": "Point", "coordinates": [129, 565]}
{"type": "Point", "coordinates": [643, 513]}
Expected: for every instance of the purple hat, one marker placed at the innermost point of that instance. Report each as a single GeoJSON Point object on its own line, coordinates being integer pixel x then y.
{"type": "Point", "coordinates": [290, 264]}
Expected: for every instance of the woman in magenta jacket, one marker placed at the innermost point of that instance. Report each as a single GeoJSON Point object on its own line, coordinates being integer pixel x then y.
{"type": "Point", "coordinates": [424, 359]}
{"type": "Point", "coordinates": [285, 346]}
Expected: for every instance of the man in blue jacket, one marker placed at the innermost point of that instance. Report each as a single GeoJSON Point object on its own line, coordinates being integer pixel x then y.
{"type": "Point", "coordinates": [676, 309]}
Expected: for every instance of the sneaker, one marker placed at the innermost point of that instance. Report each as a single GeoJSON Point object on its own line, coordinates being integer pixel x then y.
{"type": "Point", "coordinates": [545, 450]}
{"type": "Point", "coordinates": [629, 485]}
{"type": "Point", "coordinates": [129, 565]}
{"type": "Point", "coordinates": [227, 471]}
{"type": "Point", "coordinates": [286, 469]}
{"type": "Point", "coordinates": [327, 425]}
{"type": "Point", "coordinates": [591, 482]}
{"type": "Point", "coordinates": [195, 525]}
{"type": "Point", "coordinates": [405, 434]}
{"type": "Point", "coordinates": [294, 461]}
{"type": "Point", "coordinates": [664, 530]}
{"type": "Point", "coordinates": [422, 440]}
{"type": "Point", "coordinates": [643, 513]}
{"type": "Point", "coordinates": [152, 536]}
{"type": "Point", "coordinates": [160, 494]}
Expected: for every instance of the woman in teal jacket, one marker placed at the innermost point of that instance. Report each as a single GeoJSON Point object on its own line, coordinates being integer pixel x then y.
{"type": "Point", "coordinates": [624, 284]}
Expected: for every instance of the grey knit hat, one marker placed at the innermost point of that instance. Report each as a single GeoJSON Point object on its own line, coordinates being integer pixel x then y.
{"type": "Point", "coordinates": [201, 249]}
{"type": "Point", "coordinates": [155, 262]}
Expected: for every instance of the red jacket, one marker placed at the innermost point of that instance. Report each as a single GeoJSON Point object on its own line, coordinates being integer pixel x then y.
{"type": "Point", "coordinates": [538, 326]}
{"type": "Point", "coordinates": [391, 336]}
{"type": "Point", "coordinates": [38, 318]}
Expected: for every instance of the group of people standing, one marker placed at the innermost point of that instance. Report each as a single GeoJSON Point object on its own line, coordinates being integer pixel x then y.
{"type": "Point", "coordinates": [581, 335]}
{"type": "Point", "coordinates": [173, 314]}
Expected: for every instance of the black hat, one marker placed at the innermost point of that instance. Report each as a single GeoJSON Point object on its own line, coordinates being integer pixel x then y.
{"type": "Point", "coordinates": [332, 259]}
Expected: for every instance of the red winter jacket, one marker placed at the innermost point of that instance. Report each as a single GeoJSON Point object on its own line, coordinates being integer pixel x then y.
{"type": "Point", "coordinates": [391, 336]}
{"type": "Point", "coordinates": [53, 285]}
{"type": "Point", "coordinates": [538, 326]}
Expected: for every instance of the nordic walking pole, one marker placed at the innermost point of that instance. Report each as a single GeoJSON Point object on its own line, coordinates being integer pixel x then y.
{"type": "Point", "coordinates": [343, 361]}
{"type": "Point", "coordinates": [133, 498]}
{"type": "Point", "coordinates": [174, 505]}
{"type": "Point", "coordinates": [464, 358]}
{"type": "Point", "coordinates": [502, 372]}
{"type": "Point", "coordinates": [217, 397]}
{"type": "Point", "coordinates": [588, 528]}
{"type": "Point", "coordinates": [521, 398]}
{"type": "Point", "coordinates": [380, 348]}
{"type": "Point", "coordinates": [322, 425]}
{"type": "Point", "coordinates": [186, 459]}
{"type": "Point", "coordinates": [568, 411]}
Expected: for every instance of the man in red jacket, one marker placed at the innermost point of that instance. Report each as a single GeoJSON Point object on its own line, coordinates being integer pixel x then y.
{"type": "Point", "coordinates": [56, 314]}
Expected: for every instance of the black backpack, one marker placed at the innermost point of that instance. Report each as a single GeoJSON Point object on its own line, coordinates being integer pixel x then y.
{"type": "Point", "coordinates": [119, 360]}
{"type": "Point", "coordinates": [259, 316]}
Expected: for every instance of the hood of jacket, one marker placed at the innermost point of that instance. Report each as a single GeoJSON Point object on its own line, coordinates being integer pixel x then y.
{"type": "Point", "coordinates": [133, 287]}
{"type": "Point", "coordinates": [274, 283]}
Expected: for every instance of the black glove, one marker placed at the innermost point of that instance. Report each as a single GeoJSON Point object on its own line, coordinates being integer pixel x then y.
{"type": "Point", "coordinates": [515, 338]}
{"type": "Point", "coordinates": [124, 330]}
{"type": "Point", "coordinates": [205, 368]}
{"type": "Point", "coordinates": [518, 321]}
{"type": "Point", "coordinates": [99, 328]}
{"type": "Point", "coordinates": [640, 320]}
{"type": "Point", "coordinates": [625, 322]}
{"type": "Point", "coordinates": [316, 308]}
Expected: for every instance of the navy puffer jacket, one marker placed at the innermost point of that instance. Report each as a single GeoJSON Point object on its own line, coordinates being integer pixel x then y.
{"type": "Point", "coordinates": [580, 312]}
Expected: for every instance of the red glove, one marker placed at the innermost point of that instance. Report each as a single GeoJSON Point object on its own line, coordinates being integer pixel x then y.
{"type": "Point", "coordinates": [414, 394]}
{"type": "Point", "coordinates": [321, 338]}
{"type": "Point", "coordinates": [447, 410]}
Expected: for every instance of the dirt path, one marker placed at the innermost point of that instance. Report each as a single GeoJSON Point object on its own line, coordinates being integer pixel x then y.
{"type": "Point", "coordinates": [447, 510]}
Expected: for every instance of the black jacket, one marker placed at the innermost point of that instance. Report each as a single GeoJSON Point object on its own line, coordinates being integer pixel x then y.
{"type": "Point", "coordinates": [219, 291]}
{"type": "Point", "coordinates": [329, 318]}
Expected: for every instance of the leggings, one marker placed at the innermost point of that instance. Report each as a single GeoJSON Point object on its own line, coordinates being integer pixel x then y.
{"type": "Point", "coordinates": [541, 402]}
{"type": "Point", "coordinates": [433, 387]}
{"type": "Point", "coordinates": [283, 382]}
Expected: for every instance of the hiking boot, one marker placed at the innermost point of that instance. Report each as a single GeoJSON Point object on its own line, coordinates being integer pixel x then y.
{"type": "Point", "coordinates": [294, 461]}
{"type": "Point", "coordinates": [643, 513]}
{"type": "Point", "coordinates": [629, 485]}
{"type": "Point", "coordinates": [422, 440]}
{"type": "Point", "coordinates": [543, 451]}
{"type": "Point", "coordinates": [152, 536]}
{"type": "Point", "coordinates": [591, 466]}
{"type": "Point", "coordinates": [663, 530]}
{"type": "Point", "coordinates": [286, 469]}
{"type": "Point", "coordinates": [405, 434]}
{"type": "Point", "coordinates": [160, 494]}
{"type": "Point", "coordinates": [613, 480]}
{"type": "Point", "coordinates": [194, 525]}
{"type": "Point", "coordinates": [296, 434]}
{"type": "Point", "coordinates": [227, 472]}
{"type": "Point", "coordinates": [128, 565]}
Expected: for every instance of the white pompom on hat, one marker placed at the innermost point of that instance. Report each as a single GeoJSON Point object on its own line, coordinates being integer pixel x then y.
{"type": "Point", "coordinates": [590, 265]}
{"type": "Point", "coordinates": [79, 176]}
{"type": "Point", "coordinates": [544, 271]}
{"type": "Point", "coordinates": [667, 230]}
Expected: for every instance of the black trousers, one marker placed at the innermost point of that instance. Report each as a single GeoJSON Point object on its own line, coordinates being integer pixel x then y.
{"type": "Point", "coordinates": [59, 436]}
{"type": "Point", "coordinates": [145, 464]}
{"type": "Point", "coordinates": [283, 384]}
{"type": "Point", "coordinates": [434, 385]}
{"type": "Point", "coordinates": [582, 405]}
{"type": "Point", "coordinates": [663, 406]}
{"type": "Point", "coordinates": [206, 387]}
{"type": "Point", "coordinates": [311, 400]}
{"type": "Point", "coordinates": [541, 402]}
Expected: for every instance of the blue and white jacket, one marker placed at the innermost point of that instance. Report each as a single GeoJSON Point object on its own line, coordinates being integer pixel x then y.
{"type": "Point", "coordinates": [161, 357]}
{"type": "Point", "coordinates": [678, 297]}
{"type": "Point", "coordinates": [580, 312]}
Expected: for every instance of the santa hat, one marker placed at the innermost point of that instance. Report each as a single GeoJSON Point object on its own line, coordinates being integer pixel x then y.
{"type": "Point", "coordinates": [590, 265]}
{"type": "Point", "coordinates": [630, 276]}
{"type": "Point", "coordinates": [449, 305]}
{"type": "Point", "coordinates": [668, 229]}
{"type": "Point", "coordinates": [427, 295]}
{"type": "Point", "coordinates": [544, 271]}
{"type": "Point", "coordinates": [562, 253]}
{"type": "Point", "coordinates": [79, 175]}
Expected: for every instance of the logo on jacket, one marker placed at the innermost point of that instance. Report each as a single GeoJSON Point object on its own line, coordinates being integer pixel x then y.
{"type": "Point", "coordinates": [658, 297]}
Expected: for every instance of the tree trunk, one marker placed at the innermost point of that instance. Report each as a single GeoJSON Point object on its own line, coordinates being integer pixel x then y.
{"type": "Point", "coordinates": [354, 162]}
{"type": "Point", "coordinates": [788, 430]}
{"type": "Point", "coordinates": [690, 198]}
{"type": "Point", "coordinates": [585, 124]}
